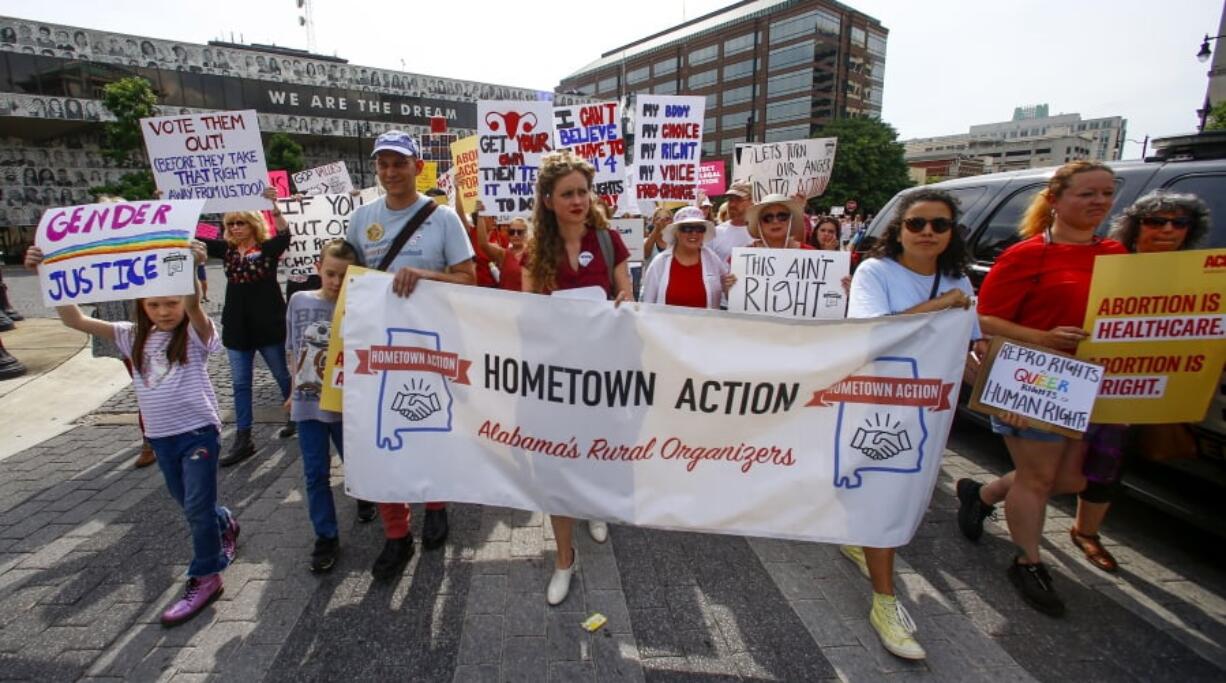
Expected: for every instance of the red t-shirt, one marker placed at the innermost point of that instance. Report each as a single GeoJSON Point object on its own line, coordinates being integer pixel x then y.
{"type": "Point", "coordinates": [485, 278]}
{"type": "Point", "coordinates": [512, 273]}
{"type": "Point", "coordinates": [685, 285]}
{"type": "Point", "coordinates": [595, 273]}
{"type": "Point", "coordinates": [1041, 285]}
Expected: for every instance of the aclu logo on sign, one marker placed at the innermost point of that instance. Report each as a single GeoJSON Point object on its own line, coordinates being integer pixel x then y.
{"type": "Point", "coordinates": [411, 400]}
{"type": "Point", "coordinates": [879, 436]}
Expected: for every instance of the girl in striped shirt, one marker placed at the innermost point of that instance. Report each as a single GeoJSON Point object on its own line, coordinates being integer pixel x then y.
{"type": "Point", "coordinates": [168, 346]}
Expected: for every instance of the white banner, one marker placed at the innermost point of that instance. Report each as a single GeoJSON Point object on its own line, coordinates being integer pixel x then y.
{"type": "Point", "coordinates": [512, 138]}
{"type": "Point", "coordinates": [667, 147]}
{"type": "Point", "coordinates": [313, 222]}
{"type": "Point", "coordinates": [217, 157]}
{"type": "Point", "coordinates": [657, 416]}
{"type": "Point", "coordinates": [593, 131]}
{"type": "Point", "coordinates": [631, 231]}
{"type": "Point", "coordinates": [330, 178]}
{"type": "Point", "coordinates": [787, 168]}
{"type": "Point", "coordinates": [789, 283]}
{"type": "Point", "coordinates": [111, 252]}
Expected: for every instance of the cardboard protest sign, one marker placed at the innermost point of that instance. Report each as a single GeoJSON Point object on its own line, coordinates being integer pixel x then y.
{"type": "Point", "coordinates": [428, 178]}
{"type": "Point", "coordinates": [631, 231]}
{"type": "Point", "coordinates": [446, 183]}
{"type": "Point", "coordinates": [711, 178]}
{"type": "Point", "coordinates": [465, 171]}
{"type": "Point", "coordinates": [217, 157]}
{"type": "Point", "coordinates": [116, 251]}
{"type": "Point", "coordinates": [331, 391]}
{"type": "Point", "coordinates": [789, 283]}
{"type": "Point", "coordinates": [593, 131]}
{"type": "Point", "coordinates": [330, 178]}
{"type": "Point", "coordinates": [1157, 325]}
{"type": "Point", "coordinates": [580, 409]}
{"type": "Point", "coordinates": [313, 222]}
{"type": "Point", "coordinates": [1053, 391]}
{"type": "Point", "coordinates": [668, 145]}
{"type": "Point", "coordinates": [512, 138]}
{"type": "Point", "coordinates": [787, 168]}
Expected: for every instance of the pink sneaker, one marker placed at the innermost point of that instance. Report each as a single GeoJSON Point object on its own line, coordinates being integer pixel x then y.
{"type": "Point", "coordinates": [199, 594]}
{"type": "Point", "coordinates": [229, 539]}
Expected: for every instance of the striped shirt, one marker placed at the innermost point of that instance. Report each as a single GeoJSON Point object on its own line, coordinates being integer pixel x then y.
{"type": "Point", "coordinates": [173, 398]}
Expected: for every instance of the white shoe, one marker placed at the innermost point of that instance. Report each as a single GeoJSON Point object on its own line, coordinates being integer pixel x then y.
{"type": "Point", "coordinates": [598, 530]}
{"type": "Point", "coordinates": [559, 583]}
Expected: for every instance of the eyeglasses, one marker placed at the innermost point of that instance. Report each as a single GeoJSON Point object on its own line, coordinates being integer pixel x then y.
{"type": "Point", "coordinates": [939, 225]}
{"type": "Point", "coordinates": [691, 228]}
{"type": "Point", "coordinates": [230, 224]}
{"type": "Point", "coordinates": [775, 217]}
{"type": "Point", "coordinates": [516, 232]}
{"type": "Point", "coordinates": [1160, 222]}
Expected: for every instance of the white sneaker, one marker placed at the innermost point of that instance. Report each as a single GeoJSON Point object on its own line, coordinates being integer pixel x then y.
{"type": "Point", "coordinates": [559, 583]}
{"type": "Point", "coordinates": [598, 530]}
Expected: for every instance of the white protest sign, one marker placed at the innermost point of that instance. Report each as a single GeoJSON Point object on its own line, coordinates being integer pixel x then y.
{"type": "Point", "coordinates": [314, 221]}
{"type": "Point", "coordinates": [577, 408]}
{"type": "Point", "coordinates": [593, 131]}
{"type": "Point", "coordinates": [787, 168]}
{"type": "Point", "coordinates": [1056, 392]}
{"type": "Point", "coordinates": [631, 231]}
{"type": "Point", "coordinates": [116, 251]}
{"type": "Point", "coordinates": [668, 145]}
{"type": "Point", "coordinates": [512, 138]}
{"type": "Point", "coordinates": [330, 178]}
{"type": "Point", "coordinates": [446, 183]}
{"type": "Point", "coordinates": [217, 157]}
{"type": "Point", "coordinates": [789, 283]}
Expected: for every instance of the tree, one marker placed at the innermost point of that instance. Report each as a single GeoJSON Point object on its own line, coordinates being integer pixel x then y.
{"type": "Point", "coordinates": [129, 100]}
{"type": "Point", "coordinates": [868, 164]}
{"type": "Point", "coordinates": [284, 154]}
{"type": "Point", "coordinates": [1217, 117]}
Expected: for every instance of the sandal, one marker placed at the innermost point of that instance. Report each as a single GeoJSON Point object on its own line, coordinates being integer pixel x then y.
{"type": "Point", "coordinates": [1092, 546]}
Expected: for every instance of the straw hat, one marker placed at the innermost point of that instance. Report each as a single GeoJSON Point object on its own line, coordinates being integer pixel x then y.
{"type": "Point", "coordinates": [797, 227]}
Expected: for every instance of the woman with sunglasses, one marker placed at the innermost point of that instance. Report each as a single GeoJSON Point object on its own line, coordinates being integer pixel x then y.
{"type": "Point", "coordinates": [1160, 221]}
{"type": "Point", "coordinates": [688, 273]}
{"type": "Point", "coordinates": [1037, 293]}
{"type": "Point", "coordinates": [918, 266]}
{"type": "Point", "coordinates": [777, 222]}
{"type": "Point", "coordinates": [509, 258]}
{"type": "Point", "coordinates": [253, 315]}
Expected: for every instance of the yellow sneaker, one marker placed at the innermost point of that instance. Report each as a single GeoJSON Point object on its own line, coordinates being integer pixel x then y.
{"type": "Point", "coordinates": [894, 627]}
{"type": "Point", "coordinates": [856, 554]}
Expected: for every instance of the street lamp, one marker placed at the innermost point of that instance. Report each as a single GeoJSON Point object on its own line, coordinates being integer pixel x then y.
{"type": "Point", "coordinates": [1144, 145]}
{"type": "Point", "coordinates": [1205, 52]}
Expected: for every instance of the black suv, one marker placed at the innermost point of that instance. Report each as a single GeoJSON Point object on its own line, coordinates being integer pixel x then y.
{"type": "Point", "coordinates": [992, 207]}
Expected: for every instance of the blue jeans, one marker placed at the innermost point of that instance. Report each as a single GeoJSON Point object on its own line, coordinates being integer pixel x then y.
{"type": "Point", "coordinates": [242, 364]}
{"type": "Point", "coordinates": [313, 438]}
{"type": "Point", "coordinates": [189, 465]}
{"type": "Point", "coordinates": [1031, 433]}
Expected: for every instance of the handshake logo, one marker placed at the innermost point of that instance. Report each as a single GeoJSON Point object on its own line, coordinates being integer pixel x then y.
{"type": "Point", "coordinates": [878, 443]}
{"type": "Point", "coordinates": [880, 428]}
{"type": "Point", "coordinates": [416, 402]}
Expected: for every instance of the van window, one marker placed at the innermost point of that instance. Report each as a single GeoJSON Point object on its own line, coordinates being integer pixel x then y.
{"type": "Point", "coordinates": [968, 197]}
{"type": "Point", "coordinates": [1212, 190]}
{"type": "Point", "coordinates": [1001, 229]}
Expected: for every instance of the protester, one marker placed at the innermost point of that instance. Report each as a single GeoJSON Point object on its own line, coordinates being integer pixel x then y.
{"type": "Point", "coordinates": [1037, 293]}
{"type": "Point", "coordinates": [826, 235]}
{"type": "Point", "coordinates": [777, 222]}
{"type": "Point", "coordinates": [203, 276]}
{"type": "Point", "coordinates": [734, 233]}
{"type": "Point", "coordinates": [655, 243]}
{"type": "Point", "coordinates": [253, 315]}
{"type": "Point", "coordinates": [488, 272]}
{"type": "Point", "coordinates": [721, 215]}
{"type": "Point", "coordinates": [440, 251]}
{"type": "Point", "coordinates": [572, 247]}
{"type": "Point", "coordinates": [168, 347]}
{"type": "Point", "coordinates": [688, 273]}
{"type": "Point", "coordinates": [918, 266]}
{"type": "Point", "coordinates": [308, 324]}
{"type": "Point", "coordinates": [1157, 222]}
{"type": "Point", "coordinates": [508, 256]}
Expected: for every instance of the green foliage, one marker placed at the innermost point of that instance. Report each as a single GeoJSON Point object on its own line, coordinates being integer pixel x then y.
{"type": "Point", "coordinates": [1217, 117]}
{"type": "Point", "coordinates": [284, 154]}
{"type": "Point", "coordinates": [129, 100]}
{"type": "Point", "coordinates": [868, 164]}
{"type": "Point", "coordinates": [131, 186]}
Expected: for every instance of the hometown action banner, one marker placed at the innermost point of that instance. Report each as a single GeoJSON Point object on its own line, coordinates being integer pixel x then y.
{"type": "Point", "coordinates": [649, 415]}
{"type": "Point", "coordinates": [1157, 325]}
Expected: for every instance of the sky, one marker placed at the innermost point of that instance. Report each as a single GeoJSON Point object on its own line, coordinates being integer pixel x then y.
{"type": "Point", "coordinates": [950, 63]}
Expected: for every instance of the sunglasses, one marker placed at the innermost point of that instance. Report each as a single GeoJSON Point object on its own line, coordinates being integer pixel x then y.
{"type": "Point", "coordinates": [1160, 222]}
{"type": "Point", "coordinates": [690, 228]}
{"type": "Point", "coordinates": [776, 217]}
{"type": "Point", "coordinates": [939, 225]}
{"type": "Point", "coordinates": [230, 224]}
{"type": "Point", "coordinates": [517, 232]}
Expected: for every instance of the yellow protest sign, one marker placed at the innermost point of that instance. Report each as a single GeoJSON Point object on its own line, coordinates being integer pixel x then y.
{"type": "Point", "coordinates": [428, 178]}
{"type": "Point", "coordinates": [1157, 325]}
{"type": "Point", "coordinates": [332, 392]}
{"type": "Point", "coordinates": [464, 163]}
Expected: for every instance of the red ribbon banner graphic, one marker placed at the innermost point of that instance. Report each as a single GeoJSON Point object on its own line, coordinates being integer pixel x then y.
{"type": "Point", "coordinates": [887, 391]}
{"type": "Point", "coordinates": [379, 358]}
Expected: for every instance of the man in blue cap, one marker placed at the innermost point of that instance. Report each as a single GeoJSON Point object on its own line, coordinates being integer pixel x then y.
{"type": "Point", "coordinates": [412, 236]}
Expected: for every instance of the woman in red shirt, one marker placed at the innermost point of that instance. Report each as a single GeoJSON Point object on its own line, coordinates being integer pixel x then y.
{"type": "Point", "coordinates": [566, 252]}
{"type": "Point", "coordinates": [509, 258]}
{"type": "Point", "coordinates": [1037, 293]}
{"type": "Point", "coordinates": [687, 273]}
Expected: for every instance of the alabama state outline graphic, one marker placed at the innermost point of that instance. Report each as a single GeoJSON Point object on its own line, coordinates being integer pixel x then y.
{"type": "Point", "coordinates": [411, 400]}
{"type": "Point", "coordinates": [879, 438]}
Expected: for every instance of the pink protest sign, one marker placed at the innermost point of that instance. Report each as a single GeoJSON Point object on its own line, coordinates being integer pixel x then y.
{"type": "Point", "coordinates": [711, 178]}
{"type": "Point", "coordinates": [280, 181]}
{"type": "Point", "coordinates": [207, 231]}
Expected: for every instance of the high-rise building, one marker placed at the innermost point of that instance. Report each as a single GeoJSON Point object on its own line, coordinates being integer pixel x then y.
{"type": "Point", "coordinates": [769, 69]}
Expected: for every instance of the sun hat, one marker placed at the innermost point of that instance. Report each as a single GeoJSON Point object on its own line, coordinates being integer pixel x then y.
{"type": "Point", "coordinates": [688, 214]}
{"type": "Point", "coordinates": [793, 206]}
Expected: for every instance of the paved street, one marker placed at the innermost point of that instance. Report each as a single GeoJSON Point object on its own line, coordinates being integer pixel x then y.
{"type": "Point", "coordinates": [92, 550]}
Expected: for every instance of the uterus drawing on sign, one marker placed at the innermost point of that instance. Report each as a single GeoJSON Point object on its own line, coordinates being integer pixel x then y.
{"type": "Point", "coordinates": [411, 400]}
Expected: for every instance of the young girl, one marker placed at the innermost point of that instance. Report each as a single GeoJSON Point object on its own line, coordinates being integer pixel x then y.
{"type": "Point", "coordinates": [168, 347]}
{"type": "Point", "coordinates": [308, 323]}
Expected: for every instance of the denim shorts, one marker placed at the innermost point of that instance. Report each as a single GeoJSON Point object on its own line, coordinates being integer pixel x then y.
{"type": "Point", "coordinates": [1003, 429]}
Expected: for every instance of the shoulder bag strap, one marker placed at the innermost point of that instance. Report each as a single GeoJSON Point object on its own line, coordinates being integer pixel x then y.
{"type": "Point", "coordinates": [606, 249]}
{"type": "Point", "coordinates": [405, 233]}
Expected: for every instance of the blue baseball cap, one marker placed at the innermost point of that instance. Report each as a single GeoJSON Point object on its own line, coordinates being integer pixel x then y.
{"type": "Point", "coordinates": [396, 141]}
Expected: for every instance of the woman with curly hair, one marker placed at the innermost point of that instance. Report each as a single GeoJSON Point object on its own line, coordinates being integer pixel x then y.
{"type": "Point", "coordinates": [918, 266]}
{"type": "Point", "coordinates": [1159, 221]}
{"type": "Point", "coordinates": [572, 247]}
{"type": "Point", "coordinates": [1037, 293]}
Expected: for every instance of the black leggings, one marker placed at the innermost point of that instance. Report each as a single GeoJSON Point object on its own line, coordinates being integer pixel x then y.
{"type": "Point", "coordinates": [1098, 492]}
